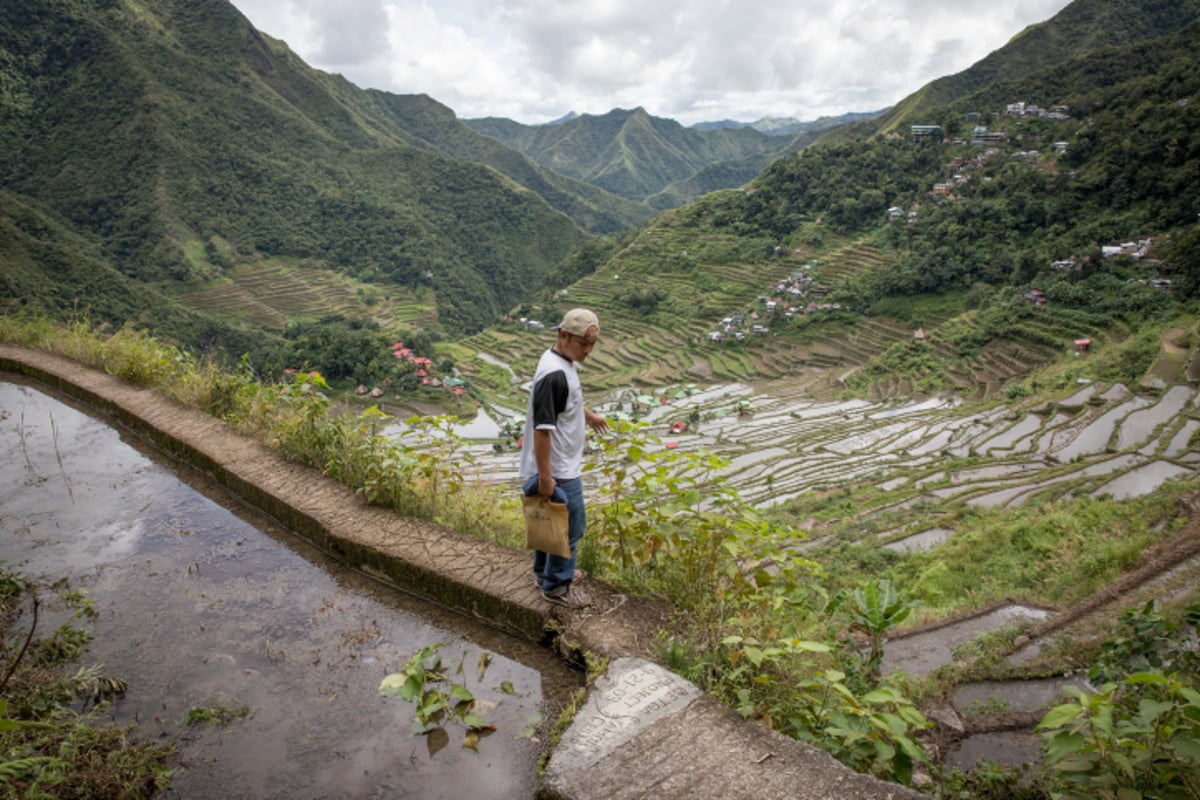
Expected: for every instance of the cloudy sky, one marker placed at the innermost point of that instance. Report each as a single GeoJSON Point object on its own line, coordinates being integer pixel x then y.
{"type": "Point", "coordinates": [690, 60]}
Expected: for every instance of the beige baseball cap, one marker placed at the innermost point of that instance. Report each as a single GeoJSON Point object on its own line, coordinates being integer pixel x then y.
{"type": "Point", "coordinates": [577, 321]}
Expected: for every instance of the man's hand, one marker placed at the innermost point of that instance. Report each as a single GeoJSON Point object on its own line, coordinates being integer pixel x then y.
{"type": "Point", "coordinates": [546, 485]}
{"type": "Point", "coordinates": [596, 422]}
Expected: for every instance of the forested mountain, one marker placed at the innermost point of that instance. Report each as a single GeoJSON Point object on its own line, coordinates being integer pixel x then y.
{"type": "Point", "coordinates": [1080, 29]}
{"type": "Point", "coordinates": [642, 157]}
{"type": "Point", "coordinates": [435, 126]}
{"type": "Point", "coordinates": [148, 149]}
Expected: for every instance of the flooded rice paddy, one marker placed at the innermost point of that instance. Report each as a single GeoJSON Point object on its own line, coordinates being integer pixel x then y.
{"type": "Point", "coordinates": [922, 653]}
{"type": "Point", "coordinates": [1100, 439]}
{"type": "Point", "coordinates": [203, 603]}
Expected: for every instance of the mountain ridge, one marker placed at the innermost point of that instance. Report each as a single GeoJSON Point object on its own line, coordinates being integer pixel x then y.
{"type": "Point", "coordinates": [641, 157]}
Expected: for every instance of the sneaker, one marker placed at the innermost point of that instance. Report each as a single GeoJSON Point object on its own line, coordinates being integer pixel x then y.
{"type": "Point", "coordinates": [571, 598]}
{"type": "Point", "coordinates": [579, 575]}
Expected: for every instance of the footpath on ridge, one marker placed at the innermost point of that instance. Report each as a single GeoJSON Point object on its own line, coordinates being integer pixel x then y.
{"type": "Point", "coordinates": [642, 732]}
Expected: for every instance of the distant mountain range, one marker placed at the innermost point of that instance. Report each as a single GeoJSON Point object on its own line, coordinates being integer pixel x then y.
{"type": "Point", "coordinates": [652, 159]}
{"type": "Point", "coordinates": [786, 126]}
{"type": "Point", "coordinates": [772, 126]}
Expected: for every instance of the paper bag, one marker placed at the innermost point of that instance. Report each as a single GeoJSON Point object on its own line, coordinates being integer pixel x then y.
{"type": "Point", "coordinates": [546, 526]}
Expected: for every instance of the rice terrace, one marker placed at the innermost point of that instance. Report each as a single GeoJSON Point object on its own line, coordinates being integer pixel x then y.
{"type": "Point", "coordinates": [900, 492]}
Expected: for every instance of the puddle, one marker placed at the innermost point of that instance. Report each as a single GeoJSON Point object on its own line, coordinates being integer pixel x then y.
{"type": "Point", "coordinates": [1005, 497]}
{"type": "Point", "coordinates": [1094, 438]}
{"type": "Point", "coordinates": [920, 541]}
{"type": "Point", "coordinates": [1016, 495]}
{"type": "Point", "coordinates": [482, 427]}
{"type": "Point", "coordinates": [867, 439]}
{"type": "Point", "coordinates": [1118, 392]}
{"type": "Point", "coordinates": [934, 445]}
{"type": "Point", "coordinates": [922, 653]}
{"type": "Point", "coordinates": [994, 472]}
{"type": "Point", "coordinates": [1142, 481]}
{"type": "Point", "coordinates": [201, 605]}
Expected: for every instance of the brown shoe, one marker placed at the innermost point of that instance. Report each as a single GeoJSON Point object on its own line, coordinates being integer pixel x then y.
{"type": "Point", "coordinates": [571, 598]}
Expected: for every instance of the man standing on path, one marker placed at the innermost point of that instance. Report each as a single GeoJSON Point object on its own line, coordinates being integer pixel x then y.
{"type": "Point", "coordinates": [556, 423]}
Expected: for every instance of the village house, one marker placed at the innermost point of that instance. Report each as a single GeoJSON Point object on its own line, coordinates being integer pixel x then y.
{"type": "Point", "coordinates": [926, 133]}
{"type": "Point", "coordinates": [1138, 249]}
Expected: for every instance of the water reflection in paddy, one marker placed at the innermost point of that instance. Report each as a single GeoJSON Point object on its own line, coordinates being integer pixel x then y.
{"type": "Point", "coordinates": [1142, 481]}
{"type": "Point", "coordinates": [200, 605]}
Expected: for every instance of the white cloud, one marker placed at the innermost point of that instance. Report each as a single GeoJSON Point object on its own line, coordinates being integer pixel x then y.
{"type": "Point", "coordinates": [693, 60]}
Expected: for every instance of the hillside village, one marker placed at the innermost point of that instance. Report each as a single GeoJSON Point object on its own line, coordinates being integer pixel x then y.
{"type": "Point", "coordinates": [422, 369]}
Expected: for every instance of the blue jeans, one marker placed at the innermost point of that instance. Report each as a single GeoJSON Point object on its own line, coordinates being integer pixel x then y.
{"type": "Point", "coordinates": [554, 573]}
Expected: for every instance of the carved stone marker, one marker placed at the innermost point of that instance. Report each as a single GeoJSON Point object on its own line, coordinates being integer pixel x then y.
{"type": "Point", "coordinates": [624, 701]}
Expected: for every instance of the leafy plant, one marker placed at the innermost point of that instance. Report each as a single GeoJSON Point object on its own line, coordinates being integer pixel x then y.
{"type": "Point", "coordinates": [1148, 640]}
{"type": "Point", "coordinates": [876, 609]}
{"type": "Point", "coordinates": [873, 732]}
{"type": "Point", "coordinates": [1137, 738]}
{"type": "Point", "coordinates": [436, 698]}
{"type": "Point", "coordinates": [670, 520]}
{"type": "Point", "coordinates": [1139, 734]}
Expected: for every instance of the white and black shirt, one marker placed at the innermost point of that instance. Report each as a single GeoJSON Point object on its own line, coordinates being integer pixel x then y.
{"type": "Point", "coordinates": [555, 405]}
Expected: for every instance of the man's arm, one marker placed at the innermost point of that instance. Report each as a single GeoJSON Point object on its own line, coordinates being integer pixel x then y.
{"type": "Point", "coordinates": [541, 454]}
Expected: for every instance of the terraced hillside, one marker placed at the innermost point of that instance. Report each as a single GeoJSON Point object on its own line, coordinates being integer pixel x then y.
{"type": "Point", "coordinates": [932, 454]}
{"type": "Point", "coordinates": [274, 292]}
{"type": "Point", "coordinates": [684, 293]}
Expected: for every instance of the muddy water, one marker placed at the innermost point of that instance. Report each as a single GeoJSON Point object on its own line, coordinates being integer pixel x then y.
{"type": "Point", "coordinates": [1002, 696]}
{"type": "Point", "coordinates": [1011, 748]}
{"type": "Point", "coordinates": [200, 605]}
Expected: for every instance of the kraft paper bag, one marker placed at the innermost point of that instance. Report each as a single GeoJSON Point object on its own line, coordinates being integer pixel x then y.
{"type": "Point", "coordinates": [546, 526]}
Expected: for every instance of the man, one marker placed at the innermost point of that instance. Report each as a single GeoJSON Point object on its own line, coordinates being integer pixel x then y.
{"type": "Point", "coordinates": [552, 452]}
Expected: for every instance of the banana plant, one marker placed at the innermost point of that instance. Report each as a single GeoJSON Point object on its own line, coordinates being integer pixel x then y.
{"type": "Point", "coordinates": [876, 608]}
